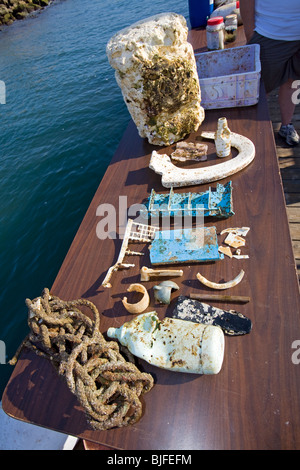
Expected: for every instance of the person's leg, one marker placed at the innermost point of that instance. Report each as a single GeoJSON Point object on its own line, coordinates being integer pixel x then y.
{"type": "Point", "coordinates": [285, 100]}
{"type": "Point", "coordinates": [280, 66]}
{"type": "Point", "coordinates": [287, 108]}
{"type": "Point", "coordinates": [286, 105]}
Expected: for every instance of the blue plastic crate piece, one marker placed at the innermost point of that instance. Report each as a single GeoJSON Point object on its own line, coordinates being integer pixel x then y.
{"type": "Point", "coordinates": [191, 245]}
{"type": "Point", "coordinates": [211, 203]}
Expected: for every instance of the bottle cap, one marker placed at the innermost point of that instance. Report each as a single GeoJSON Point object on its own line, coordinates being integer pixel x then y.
{"type": "Point", "coordinates": [214, 21]}
{"type": "Point", "coordinates": [231, 17]}
{"type": "Point", "coordinates": [238, 4]}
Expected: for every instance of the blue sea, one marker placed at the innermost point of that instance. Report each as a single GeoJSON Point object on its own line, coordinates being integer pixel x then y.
{"type": "Point", "coordinates": [61, 123]}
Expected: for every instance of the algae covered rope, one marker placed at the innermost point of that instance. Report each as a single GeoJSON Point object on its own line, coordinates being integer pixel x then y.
{"type": "Point", "coordinates": [107, 385]}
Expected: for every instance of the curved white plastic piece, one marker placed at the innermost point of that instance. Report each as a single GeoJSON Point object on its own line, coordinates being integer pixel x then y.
{"type": "Point", "coordinates": [173, 176]}
{"type": "Point", "coordinates": [225, 285]}
{"type": "Point", "coordinates": [140, 306]}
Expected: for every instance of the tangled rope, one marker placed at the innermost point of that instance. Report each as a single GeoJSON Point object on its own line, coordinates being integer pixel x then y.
{"type": "Point", "coordinates": [107, 385]}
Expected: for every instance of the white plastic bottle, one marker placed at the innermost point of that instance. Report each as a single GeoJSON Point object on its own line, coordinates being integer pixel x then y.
{"type": "Point", "coordinates": [172, 344]}
{"type": "Point", "coordinates": [215, 33]}
{"type": "Point", "coordinates": [231, 25]}
{"type": "Point", "coordinates": [223, 138]}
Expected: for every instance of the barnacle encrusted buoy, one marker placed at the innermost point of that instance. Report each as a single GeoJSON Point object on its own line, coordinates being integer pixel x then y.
{"type": "Point", "coordinates": [107, 385]}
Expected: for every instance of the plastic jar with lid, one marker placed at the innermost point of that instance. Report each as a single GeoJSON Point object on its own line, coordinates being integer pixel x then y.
{"type": "Point", "coordinates": [231, 25]}
{"type": "Point", "coordinates": [215, 33]}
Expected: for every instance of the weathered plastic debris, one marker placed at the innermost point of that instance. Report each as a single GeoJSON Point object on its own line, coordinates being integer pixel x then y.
{"type": "Point", "coordinates": [234, 240]}
{"type": "Point", "coordinates": [175, 345]}
{"type": "Point", "coordinates": [241, 231]}
{"type": "Point", "coordinates": [223, 138]}
{"type": "Point", "coordinates": [232, 322]}
{"type": "Point", "coordinates": [211, 203]}
{"type": "Point", "coordinates": [185, 246]}
{"type": "Point", "coordinates": [135, 232]}
{"type": "Point", "coordinates": [140, 306]}
{"type": "Point", "coordinates": [174, 176]}
{"type": "Point", "coordinates": [223, 285]}
{"type": "Point", "coordinates": [147, 274]}
{"type": "Point", "coordinates": [187, 151]}
{"type": "Point", "coordinates": [238, 255]}
{"type": "Point", "coordinates": [226, 251]}
{"type": "Point", "coordinates": [162, 292]}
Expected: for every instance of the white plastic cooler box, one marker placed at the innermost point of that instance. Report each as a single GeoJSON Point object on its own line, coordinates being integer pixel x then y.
{"type": "Point", "coordinates": [229, 77]}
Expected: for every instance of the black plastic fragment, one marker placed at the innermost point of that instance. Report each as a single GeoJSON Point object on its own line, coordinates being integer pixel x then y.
{"type": "Point", "coordinates": [232, 322]}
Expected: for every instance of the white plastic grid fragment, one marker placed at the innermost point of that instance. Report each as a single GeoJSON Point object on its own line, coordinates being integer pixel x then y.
{"type": "Point", "coordinates": [142, 232]}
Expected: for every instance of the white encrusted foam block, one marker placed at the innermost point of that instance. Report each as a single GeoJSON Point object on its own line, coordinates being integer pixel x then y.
{"type": "Point", "coordinates": [156, 70]}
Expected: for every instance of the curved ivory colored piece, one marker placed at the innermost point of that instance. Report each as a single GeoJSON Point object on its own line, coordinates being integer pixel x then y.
{"type": "Point", "coordinates": [173, 176]}
{"type": "Point", "coordinates": [140, 306]}
{"type": "Point", "coordinates": [225, 285]}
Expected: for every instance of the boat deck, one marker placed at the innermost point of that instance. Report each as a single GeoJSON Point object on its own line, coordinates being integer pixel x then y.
{"type": "Point", "coordinates": [289, 164]}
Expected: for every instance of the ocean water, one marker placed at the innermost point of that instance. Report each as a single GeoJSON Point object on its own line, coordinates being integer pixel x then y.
{"type": "Point", "coordinates": [60, 126]}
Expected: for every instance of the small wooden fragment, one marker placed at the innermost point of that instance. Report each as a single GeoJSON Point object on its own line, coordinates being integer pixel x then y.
{"type": "Point", "coordinates": [223, 298]}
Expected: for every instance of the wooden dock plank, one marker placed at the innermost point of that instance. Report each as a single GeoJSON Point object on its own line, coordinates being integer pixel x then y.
{"type": "Point", "coordinates": [289, 164]}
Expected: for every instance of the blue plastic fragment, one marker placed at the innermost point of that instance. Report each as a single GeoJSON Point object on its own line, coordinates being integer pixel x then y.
{"type": "Point", "coordinates": [211, 203]}
{"type": "Point", "coordinates": [185, 246]}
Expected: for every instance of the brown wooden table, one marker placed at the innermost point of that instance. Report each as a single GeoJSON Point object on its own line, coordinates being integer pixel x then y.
{"type": "Point", "coordinates": [254, 402]}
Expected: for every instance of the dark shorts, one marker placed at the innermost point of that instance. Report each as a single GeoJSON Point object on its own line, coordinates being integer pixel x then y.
{"type": "Point", "coordinates": [280, 60]}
